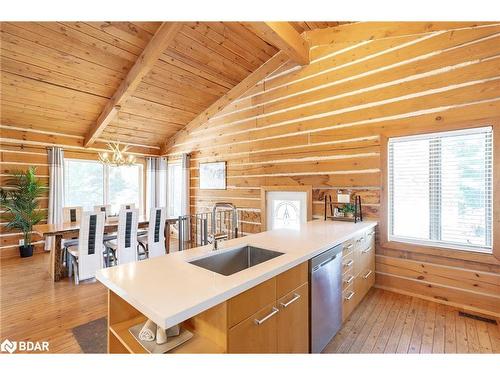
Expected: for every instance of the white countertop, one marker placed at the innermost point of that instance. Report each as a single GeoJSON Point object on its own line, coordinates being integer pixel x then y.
{"type": "Point", "coordinates": [169, 290]}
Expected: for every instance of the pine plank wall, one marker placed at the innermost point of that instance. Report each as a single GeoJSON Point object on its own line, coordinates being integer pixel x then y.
{"type": "Point", "coordinates": [20, 149]}
{"type": "Point", "coordinates": [321, 125]}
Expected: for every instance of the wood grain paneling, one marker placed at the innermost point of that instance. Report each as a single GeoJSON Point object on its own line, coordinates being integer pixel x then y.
{"type": "Point", "coordinates": [322, 125]}
{"type": "Point", "coordinates": [60, 76]}
{"type": "Point", "coordinates": [20, 150]}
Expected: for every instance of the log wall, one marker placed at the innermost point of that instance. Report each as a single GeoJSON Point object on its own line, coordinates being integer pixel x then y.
{"type": "Point", "coordinates": [321, 125]}
{"type": "Point", "coordinates": [20, 149]}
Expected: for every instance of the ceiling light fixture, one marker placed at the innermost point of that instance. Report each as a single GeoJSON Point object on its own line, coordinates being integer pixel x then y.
{"type": "Point", "coordinates": [115, 156]}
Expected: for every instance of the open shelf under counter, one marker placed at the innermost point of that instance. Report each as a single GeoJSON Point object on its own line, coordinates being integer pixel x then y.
{"type": "Point", "coordinates": [123, 316]}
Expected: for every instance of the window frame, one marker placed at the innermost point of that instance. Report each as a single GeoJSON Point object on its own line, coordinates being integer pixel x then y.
{"type": "Point", "coordinates": [435, 220]}
{"type": "Point", "coordinates": [432, 249]}
{"type": "Point", "coordinates": [106, 176]}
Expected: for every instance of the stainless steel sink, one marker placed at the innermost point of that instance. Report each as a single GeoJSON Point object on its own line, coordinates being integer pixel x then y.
{"type": "Point", "coordinates": [232, 261]}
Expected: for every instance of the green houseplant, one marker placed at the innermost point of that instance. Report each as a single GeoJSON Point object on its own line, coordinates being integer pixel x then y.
{"type": "Point", "coordinates": [19, 199]}
{"type": "Point", "coordinates": [349, 209]}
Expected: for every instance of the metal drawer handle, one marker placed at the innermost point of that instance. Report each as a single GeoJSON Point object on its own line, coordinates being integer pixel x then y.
{"type": "Point", "coordinates": [349, 280]}
{"type": "Point", "coordinates": [367, 250]}
{"type": "Point", "coordinates": [349, 264]}
{"type": "Point", "coordinates": [349, 246]}
{"type": "Point", "coordinates": [295, 298]}
{"type": "Point", "coordinates": [367, 275]}
{"type": "Point", "coordinates": [370, 234]}
{"type": "Point", "coordinates": [259, 322]}
{"type": "Point", "coordinates": [349, 296]}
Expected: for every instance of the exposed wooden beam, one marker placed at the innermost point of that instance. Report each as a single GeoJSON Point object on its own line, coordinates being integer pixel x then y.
{"type": "Point", "coordinates": [250, 81]}
{"type": "Point", "coordinates": [363, 31]}
{"type": "Point", "coordinates": [156, 46]}
{"type": "Point", "coordinates": [283, 36]}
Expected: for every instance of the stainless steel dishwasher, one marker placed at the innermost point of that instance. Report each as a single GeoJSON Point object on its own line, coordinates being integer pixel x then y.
{"type": "Point", "coordinates": [325, 277]}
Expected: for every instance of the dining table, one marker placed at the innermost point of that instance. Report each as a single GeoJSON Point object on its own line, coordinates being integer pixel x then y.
{"type": "Point", "coordinates": [70, 230]}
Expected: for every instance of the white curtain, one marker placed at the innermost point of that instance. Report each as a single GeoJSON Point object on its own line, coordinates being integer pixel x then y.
{"type": "Point", "coordinates": [156, 181]}
{"type": "Point", "coordinates": [56, 189]}
{"type": "Point", "coordinates": [185, 184]}
{"type": "Point", "coordinates": [185, 192]}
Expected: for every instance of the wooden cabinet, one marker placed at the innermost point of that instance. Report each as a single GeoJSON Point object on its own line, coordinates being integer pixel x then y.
{"type": "Point", "coordinates": [281, 326]}
{"type": "Point", "coordinates": [249, 302]}
{"type": "Point", "coordinates": [256, 334]}
{"type": "Point", "coordinates": [272, 317]}
{"type": "Point", "coordinates": [358, 264]}
{"type": "Point", "coordinates": [293, 321]}
{"type": "Point", "coordinates": [348, 304]}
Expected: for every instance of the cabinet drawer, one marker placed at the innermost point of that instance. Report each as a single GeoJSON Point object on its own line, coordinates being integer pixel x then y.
{"type": "Point", "coordinates": [370, 238]}
{"type": "Point", "coordinates": [365, 280]}
{"type": "Point", "coordinates": [249, 302]}
{"type": "Point", "coordinates": [293, 321]}
{"type": "Point", "coordinates": [359, 242]}
{"type": "Point", "coordinates": [348, 301]}
{"type": "Point", "coordinates": [348, 279]}
{"type": "Point", "coordinates": [291, 279]}
{"type": "Point", "coordinates": [251, 337]}
{"type": "Point", "coordinates": [348, 246]}
{"type": "Point", "coordinates": [365, 259]}
{"type": "Point", "coordinates": [348, 263]}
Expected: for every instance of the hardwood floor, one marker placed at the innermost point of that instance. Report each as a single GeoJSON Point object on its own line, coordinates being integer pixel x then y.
{"type": "Point", "coordinates": [34, 308]}
{"type": "Point", "coordinates": [387, 322]}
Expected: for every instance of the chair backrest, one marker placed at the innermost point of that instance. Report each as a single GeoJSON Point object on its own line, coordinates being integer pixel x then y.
{"type": "Point", "coordinates": [90, 244]}
{"type": "Point", "coordinates": [106, 208]}
{"type": "Point", "coordinates": [156, 232]}
{"type": "Point", "coordinates": [127, 206]}
{"type": "Point", "coordinates": [127, 236]}
{"type": "Point", "coordinates": [72, 214]}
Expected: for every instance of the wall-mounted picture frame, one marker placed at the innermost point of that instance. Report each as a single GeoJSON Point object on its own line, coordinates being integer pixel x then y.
{"type": "Point", "coordinates": [213, 176]}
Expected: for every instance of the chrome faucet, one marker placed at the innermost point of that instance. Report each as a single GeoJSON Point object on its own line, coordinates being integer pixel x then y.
{"type": "Point", "coordinates": [215, 237]}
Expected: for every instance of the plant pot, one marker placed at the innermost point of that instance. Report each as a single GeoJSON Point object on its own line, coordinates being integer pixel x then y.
{"type": "Point", "coordinates": [350, 215]}
{"type": "Point", "coordinates": [26, 251]}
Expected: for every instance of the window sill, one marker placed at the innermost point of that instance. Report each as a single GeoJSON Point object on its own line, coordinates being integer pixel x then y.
{"type": "Point", "coordinates": [444, 246]}
{"type": "Point", "coordinates": [447, 252]}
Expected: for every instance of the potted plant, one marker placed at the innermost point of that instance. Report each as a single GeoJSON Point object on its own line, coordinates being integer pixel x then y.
{"type": "Point", "coordinates": [349, 210]}
{"type": "Point", "coordinates": [19, 199]}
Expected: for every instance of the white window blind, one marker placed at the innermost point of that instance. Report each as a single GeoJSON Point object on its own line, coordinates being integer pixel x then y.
{"type": "Point", "coordinates": [440, 189]}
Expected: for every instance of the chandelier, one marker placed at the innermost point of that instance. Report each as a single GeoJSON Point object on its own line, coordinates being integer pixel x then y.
{"type": "Point", "coordinates": [115, 156]}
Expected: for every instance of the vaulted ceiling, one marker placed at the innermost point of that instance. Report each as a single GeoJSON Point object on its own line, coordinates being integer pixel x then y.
{"type": "Point", "coordinates": [98, 80]}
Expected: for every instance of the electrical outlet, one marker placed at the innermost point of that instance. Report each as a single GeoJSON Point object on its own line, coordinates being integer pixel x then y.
{"type": "Point", "coordinates": [21, 242]}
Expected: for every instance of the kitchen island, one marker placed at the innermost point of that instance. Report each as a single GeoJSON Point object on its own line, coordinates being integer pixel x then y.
{"type": "Point", "coordinates": [216, 308]}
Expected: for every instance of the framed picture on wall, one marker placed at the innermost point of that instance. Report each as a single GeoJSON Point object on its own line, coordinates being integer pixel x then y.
{"type": "Point", "coordinates": [213, 176]}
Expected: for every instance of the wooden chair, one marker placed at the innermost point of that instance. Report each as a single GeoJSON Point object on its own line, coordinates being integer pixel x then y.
{"type": "Point", "coordinates": [124, 247]}
{"type": "Point", "coordinates": [153, 242]}
{"type": "Point", "coordinates": [87, 257]}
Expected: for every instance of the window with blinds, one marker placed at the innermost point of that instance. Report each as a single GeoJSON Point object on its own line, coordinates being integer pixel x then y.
{"type": "Point", "coordinates": [440, 189]}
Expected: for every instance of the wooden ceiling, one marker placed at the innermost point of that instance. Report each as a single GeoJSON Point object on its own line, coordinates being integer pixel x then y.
{"type": "Point", "coordinates": [58, 77]}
